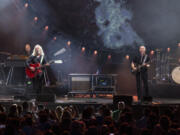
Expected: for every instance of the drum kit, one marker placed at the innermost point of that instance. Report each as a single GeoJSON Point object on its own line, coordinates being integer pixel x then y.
{"type": "Point", "coordinates": [167, 68]}
{"type": "Point", "coordinates": [176, 74]}
{"type": "Point", "coordinates": [174, 70]}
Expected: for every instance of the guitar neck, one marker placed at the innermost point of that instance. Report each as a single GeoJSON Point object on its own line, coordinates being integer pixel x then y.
{"type": "Point", "coordinates": [42, 66]}
{"type": "Point", "coordinates": [45, 65]}
{"type": "Point", "coordinates": [145, 64]}
{"type": "Point", "coordinates": [50, 62]}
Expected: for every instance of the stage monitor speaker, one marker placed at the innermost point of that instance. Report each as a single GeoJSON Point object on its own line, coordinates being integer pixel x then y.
{"type": "Point", "coordinates": [46, 98]}
{"type": "Point", "coordinates": [127, 99]}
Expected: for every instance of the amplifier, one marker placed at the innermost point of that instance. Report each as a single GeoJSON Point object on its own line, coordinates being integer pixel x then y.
{"type": "Point", "coordinates": [46, 98]}
{"type": "Point", "coordinates": [92, 82]}
{"type": "Point", "coordinates": [79, 82]}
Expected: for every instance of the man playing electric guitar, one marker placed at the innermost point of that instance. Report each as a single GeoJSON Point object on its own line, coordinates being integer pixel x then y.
{"type": "Point", "coordinates": [34, 63]}
{"type": "Point", "coordinates": [140, 66]}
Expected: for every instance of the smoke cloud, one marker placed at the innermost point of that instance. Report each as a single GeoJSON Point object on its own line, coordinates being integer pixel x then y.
{"type": "Point", "coordinates": [113, 20]}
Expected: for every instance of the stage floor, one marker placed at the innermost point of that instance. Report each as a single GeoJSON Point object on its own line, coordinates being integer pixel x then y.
{"type": "Point", "coordinates": [156, 101]}
{"type": "Point", "coordinates": [84, 100]}
{"type": "Point", "coordinates": [87, 101]}
{"type": "Point", "coordinates": [15, 95]}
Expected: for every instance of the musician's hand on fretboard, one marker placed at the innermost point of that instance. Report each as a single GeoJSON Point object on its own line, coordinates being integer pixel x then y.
{"type": "Point", "coordinates": [134, 68]}
{"type": "Point", "coordinates": [147, 65]}
{"type": "Point", "coordinates": [47, 64]}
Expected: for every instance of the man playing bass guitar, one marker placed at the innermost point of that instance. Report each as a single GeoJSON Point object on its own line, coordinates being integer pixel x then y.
{"type": "Point", "coordinates": [34, 70]}
{"type": "Point", "coordinates": [140, 66]}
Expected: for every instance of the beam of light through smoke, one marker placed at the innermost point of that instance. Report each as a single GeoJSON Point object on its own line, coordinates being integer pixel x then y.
{"type": "Point", "coordinates": [113, 20]}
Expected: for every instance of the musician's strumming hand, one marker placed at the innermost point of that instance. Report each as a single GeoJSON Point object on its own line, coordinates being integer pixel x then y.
{"type": "Point", "coordinates": [134, 68]}
{"type": "Point", "coordinates": [32, 68]}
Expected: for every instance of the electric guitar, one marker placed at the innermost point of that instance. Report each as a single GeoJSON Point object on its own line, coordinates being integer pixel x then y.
{"type": "Point", "coordinates": [138, 68]}
{"type": "Point", "coordinates": [38, 68]}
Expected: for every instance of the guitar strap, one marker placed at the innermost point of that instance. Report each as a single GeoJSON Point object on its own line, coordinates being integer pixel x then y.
{"type": "Point", "coordinates": [42, 57]}
{"type": "Point", "coordinates": [144, 59]}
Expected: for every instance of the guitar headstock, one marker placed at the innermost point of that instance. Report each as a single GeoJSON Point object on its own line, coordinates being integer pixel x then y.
{"type": "Point", "coordinates": [58, 61]}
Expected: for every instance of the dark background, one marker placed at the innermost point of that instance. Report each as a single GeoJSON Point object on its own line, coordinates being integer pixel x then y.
{"type": "Point", "coordinates": [155, 21]}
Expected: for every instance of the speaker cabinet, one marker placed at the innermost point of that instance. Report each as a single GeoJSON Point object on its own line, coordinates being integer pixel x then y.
{"type": "Point", "coordinates": [46, 98]}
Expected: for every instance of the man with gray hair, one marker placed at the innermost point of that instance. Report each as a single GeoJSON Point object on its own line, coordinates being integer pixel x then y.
{"type": "Point", "coordinates": [139, 66]}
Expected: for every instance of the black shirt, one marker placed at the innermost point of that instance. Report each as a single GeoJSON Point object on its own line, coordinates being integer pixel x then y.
{"type": "Point", "coordinates": [139, 60]}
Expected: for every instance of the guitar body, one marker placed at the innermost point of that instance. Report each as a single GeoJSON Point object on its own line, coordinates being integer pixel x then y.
{"type": "Point", "coordinates": [135, 71]}
{"type": "Point", "coordinates": [32, 74]}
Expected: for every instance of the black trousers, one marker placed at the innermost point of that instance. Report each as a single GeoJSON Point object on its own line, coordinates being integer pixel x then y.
{"type": "Point", "coordinates": [142, 80]}
{"type": "Point", "coordinates": [38, 83]}
{"type": "Point", "coordinates": [2, 74]}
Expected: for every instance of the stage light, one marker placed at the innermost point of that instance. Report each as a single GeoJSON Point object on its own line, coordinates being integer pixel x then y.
{"type": "Point", "coordinates": [46, 28]}
{"type": "Point", "coordinates": [135, 98]}
{"type": "Point", "coordinates": [168, 49]}
{"type": "Point", "coordinates": [109, 56]}
{"type": "Point", "coordinates": [83, 49]}
{"type": "Point", "coordinates": [68, 43]}
{"type": "Point", "coordinates": [36, 19]}
{"type": "Point", "coordinates": [152, 52]}
{"type": "Point", "coordinates": [26, 5]}
{"type": "Point", "coordinates": [54, 38]}
{"type": "Point", "coordinates": [127, 57]}
{"type": "Point", "coordinates": [95, 52]}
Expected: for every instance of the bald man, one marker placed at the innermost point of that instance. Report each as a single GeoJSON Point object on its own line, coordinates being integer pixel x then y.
{"type": "Point", "coordinates": [140, 67]}
{"type": "Point", "coordinates": [27, 50]}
